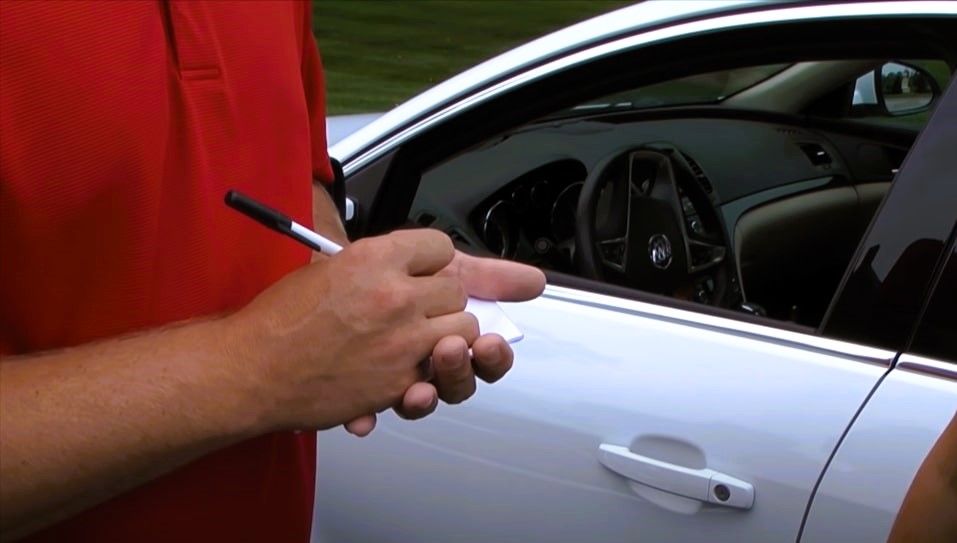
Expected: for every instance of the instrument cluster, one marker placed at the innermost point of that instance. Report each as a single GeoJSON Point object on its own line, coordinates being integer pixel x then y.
{"type": "Point", "coordinates": [533, 217]}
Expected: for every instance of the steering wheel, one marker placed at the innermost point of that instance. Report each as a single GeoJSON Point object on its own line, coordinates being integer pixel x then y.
{"type": "Point", "coordinates": [634, 227]}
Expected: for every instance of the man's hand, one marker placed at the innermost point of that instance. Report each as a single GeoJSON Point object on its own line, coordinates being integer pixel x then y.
{"type": "Point", "coordinates": [454, 372]}
{"type": "Point", "coordinates": [345, 336]}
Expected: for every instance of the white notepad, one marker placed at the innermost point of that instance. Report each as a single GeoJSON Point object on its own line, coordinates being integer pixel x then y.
{"type": "Point", "coordinates": [493, 320]}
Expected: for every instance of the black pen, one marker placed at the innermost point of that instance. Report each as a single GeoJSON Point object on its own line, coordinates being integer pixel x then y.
{"type": "Point", "coordinates": [280, 223]}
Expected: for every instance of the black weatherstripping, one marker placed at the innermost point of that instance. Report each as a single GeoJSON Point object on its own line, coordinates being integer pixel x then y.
{"type": "Point", "coordinates": [337, 189]}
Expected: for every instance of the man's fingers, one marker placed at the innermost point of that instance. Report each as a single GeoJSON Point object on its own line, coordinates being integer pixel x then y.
{"type": "Point", "coordinates": [429, 252]}
{"type": "Point", "coordinates": [492, 357]}
{"type": "Point", "coordinates": [419, 400]}
{"type": "Point", "coordinates": [361, 426]}
{"type": "Point", "coordinates": [442, 295]}
{"type": "Point", "coordinates": [493, 279]}
{"type": "Point", "coordinates": [461, 324]}
{"type": "Point", "coordinates": [453, 376]}
{"type": "Point", "coordinates": [423, 252]}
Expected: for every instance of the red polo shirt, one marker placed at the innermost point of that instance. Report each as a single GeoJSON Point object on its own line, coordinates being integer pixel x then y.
{"type": "Point", "coordinates": [122, 126]}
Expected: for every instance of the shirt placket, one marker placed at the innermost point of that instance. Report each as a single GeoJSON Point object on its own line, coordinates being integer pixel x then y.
{"type": "Point", "coordinates": [193, 42]}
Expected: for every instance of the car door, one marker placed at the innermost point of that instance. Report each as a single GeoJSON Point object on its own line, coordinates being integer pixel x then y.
{"type": "Point", "coordinates": [865, 484]}
{"type": "Point", "coordinates": [621, 419]}
{"type": "Point", "coordinates": [869, 476]}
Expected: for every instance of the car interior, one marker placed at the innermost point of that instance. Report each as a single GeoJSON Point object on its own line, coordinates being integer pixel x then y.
{"type": "Point", "coordinates": [745, 187]}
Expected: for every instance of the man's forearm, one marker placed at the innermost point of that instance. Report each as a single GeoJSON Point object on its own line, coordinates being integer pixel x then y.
{"type": "Point", "coordinates": [81, 425]}
{"type": "Point", "coordinates": [325, 216]}
{"type": "Point", "coordinates": [927, 513]}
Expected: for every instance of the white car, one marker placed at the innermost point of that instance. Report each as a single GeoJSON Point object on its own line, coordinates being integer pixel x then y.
{"type": "Point", "coordinates": [748, 333]}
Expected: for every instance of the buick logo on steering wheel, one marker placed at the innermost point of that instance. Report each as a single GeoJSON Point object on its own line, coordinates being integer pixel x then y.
{"type": "Point", "coordinates": [659, 249]}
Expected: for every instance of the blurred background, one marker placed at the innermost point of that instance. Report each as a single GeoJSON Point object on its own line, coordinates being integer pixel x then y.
{"type": "Point", "coordinates": [378, 53]}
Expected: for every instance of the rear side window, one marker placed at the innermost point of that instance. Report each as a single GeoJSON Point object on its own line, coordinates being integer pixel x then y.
{"type": "Point", "coordinates": [937, 333]}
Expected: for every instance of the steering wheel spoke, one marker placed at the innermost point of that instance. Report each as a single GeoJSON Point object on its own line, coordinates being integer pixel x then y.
{"type": "Point", "coordinates": [704, 255]}
{"type": "Point", "coordinates": [614, 253]}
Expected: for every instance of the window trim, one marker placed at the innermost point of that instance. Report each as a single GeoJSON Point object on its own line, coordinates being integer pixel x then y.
{"type": "Point", "coordinates": [928, 366]}
{"type": "Point", "coordinates": [694, 317]}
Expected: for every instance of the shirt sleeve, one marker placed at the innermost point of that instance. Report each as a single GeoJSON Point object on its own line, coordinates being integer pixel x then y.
{"type": "Point", "coordinates": [314, 85]}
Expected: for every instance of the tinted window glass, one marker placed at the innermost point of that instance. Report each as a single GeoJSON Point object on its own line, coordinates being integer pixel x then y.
{"type": "Point", "coordinates": [937, 334]}
{"type": "Point", "coordinates": [894, 268]}
{"type": "Point", "coordinates": [747, 211]}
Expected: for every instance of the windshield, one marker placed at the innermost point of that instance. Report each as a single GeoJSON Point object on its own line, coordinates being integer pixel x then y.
{"type": "Point", "coordinates": [708, 88]}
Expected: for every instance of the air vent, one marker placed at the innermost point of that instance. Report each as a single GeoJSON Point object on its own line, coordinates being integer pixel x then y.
{"type": "Point", "coordinates": [816, 154]}
{"type": "Point", "coordinates": [699, 174]}
{"type": "Point", "coordinates": [789, 131]}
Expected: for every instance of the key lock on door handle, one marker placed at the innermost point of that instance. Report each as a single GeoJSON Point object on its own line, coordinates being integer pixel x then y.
{"type": "Point", "coordinates": [706, 485]}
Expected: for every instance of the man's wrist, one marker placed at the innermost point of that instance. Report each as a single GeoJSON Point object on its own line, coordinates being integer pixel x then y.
{"type": "Point", "coordinates": [245, 406]}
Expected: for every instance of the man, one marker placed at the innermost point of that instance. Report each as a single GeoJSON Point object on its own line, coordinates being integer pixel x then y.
{"type": "Point", "coordinates": [159, 350]}
{"type": "Point", "coordinates": [929, 511]}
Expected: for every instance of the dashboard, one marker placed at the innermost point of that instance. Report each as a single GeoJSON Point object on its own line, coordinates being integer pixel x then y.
{"type": "Point", "coordinates": [516, 196]}
{"type": "Point", "coordinates": [740, 158]}
{"type": "Point", "coordinates": [534, 217]}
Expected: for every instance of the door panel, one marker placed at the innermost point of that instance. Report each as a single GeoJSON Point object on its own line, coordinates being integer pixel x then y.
{"type": "Point", "coordinates": [865, 484]}
{"type": "Point", "coordinates": [520, 460]}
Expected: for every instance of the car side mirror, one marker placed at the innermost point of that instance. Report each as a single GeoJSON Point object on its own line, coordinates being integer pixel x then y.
{"type": "Point", "coordinates": [906, 89]}
{"type": "Point", "coordinates": [895, 88]}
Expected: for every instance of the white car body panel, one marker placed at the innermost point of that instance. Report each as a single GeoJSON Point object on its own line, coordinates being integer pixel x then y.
{"type": "Point", "coordinates": [864, 486]}
{"type": "Point", "coordinates": [519, 461]}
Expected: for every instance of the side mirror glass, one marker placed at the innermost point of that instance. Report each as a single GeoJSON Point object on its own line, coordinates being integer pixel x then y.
{"type": "Point", "coordinates": [905, 89]}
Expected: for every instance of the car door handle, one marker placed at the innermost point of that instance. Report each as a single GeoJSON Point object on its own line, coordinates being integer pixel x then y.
{"type": "Point", "coordinates": [706, 485]}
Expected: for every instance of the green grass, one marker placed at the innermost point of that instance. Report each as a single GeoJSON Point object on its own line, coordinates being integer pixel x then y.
{"type": "Point", "coordinates": [378, 53]}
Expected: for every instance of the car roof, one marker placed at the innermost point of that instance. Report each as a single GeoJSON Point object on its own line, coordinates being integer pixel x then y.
{"type": "Point", "coordinates": [340, 126]}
